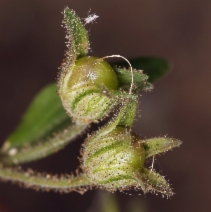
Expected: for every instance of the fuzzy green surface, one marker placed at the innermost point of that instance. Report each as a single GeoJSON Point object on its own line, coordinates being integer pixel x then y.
{"type": "Point", "coordinates": [44, 182]}
{"type": "Point", "coordinates": [88, 93]}
{"type": "Point", "coordinates": [45, 147]}
{"type": "Point", "coordinates": [158, 145]}
{"type": "Point", "coordinates": [76, 33]}
{"type": "Point", "coordinates": [113, 160]}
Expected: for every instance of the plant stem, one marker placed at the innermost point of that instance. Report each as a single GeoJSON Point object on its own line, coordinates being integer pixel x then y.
{"type": "Point", "coordinates": [44, 148]}
{"type": "Point", "coordinates": [45, 182]}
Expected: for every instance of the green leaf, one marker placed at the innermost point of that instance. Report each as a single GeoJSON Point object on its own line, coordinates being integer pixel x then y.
{"type": "Point", "coordinates": [156, 183]}
{"type": "Point", "coordinates": [139, 79]}
{"type": "Point", "coordinates": [77, 44]}
{"type": "Point", "coordinates": [78, 41]}
{"type": "Point", "coordinates": [154, 67]}
{"type": "Point", "coordinates": [43, 148]}
{"type": "Point", "coordinates": [158, 145]}
{"type": "Point", "coordinates": [44, 116]}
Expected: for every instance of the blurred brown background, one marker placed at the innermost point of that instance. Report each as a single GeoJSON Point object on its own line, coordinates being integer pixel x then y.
{"type": "Point", "coordinates": [32, 47]}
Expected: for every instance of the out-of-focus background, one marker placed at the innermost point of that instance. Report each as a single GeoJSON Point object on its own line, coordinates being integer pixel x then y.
{"type": "Point", "coordinates": [32, 47]}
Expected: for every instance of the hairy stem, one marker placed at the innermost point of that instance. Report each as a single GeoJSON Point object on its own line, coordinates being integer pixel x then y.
{"type": "Point", "coordinates": [44, 148]}
{"type": "Point", "coordinates": [45, 182]}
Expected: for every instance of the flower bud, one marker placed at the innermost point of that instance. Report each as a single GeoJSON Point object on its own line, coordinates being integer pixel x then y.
{"type": "Point", "coordinates": [87, 91]}
{"type": "Point", "coordinates": [114, 160]}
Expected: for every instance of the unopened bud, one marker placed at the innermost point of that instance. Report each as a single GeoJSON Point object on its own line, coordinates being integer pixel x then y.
{"type": "Point", "coordinates": [87, 90]}
{"type": "Point", "coordinates": [114, 160]}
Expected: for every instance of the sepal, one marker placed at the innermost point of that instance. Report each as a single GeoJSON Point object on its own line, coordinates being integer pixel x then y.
{"type": "Point", "coordinates": [156, 183]}
{"type": "Point", "coordinates": [159, 145]}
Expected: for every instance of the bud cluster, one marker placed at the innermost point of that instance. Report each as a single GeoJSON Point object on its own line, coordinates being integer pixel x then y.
{"type": "Point", "coordinates": [113, 157]}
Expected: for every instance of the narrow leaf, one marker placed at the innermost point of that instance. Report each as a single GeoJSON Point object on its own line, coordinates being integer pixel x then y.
{"type": "Point", "coordinates": [158, 145]}
{"type": "Point", "coordinates": [77, 44]}
{"type": "Point", "coordinates": [44, 148]}
{"type": "Point", "coordinates": [44, 116]}
{"type": "Point", "coordinates": [77, 35]}
{"type": "Point", "coordinates": [156, 183]}
{"type": "Point", "coordinates": [139, 79]}
{"type": "Point", "coordinates": [154, 67]}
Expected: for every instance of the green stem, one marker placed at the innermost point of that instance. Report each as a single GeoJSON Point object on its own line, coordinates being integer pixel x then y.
{"type": "Point", "coordinates": [45, 148]}
{"type": "Point", "coordinates": [45, 182]}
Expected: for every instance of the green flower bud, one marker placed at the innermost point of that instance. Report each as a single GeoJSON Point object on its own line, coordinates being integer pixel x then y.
{"type": "Point", "coordinates": [114, 159]}
{"type": "Point", "coordinates": [88, 89]}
